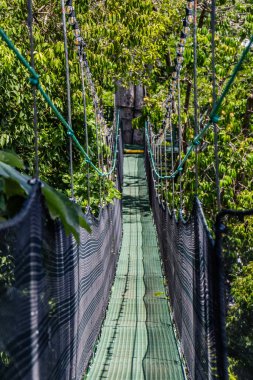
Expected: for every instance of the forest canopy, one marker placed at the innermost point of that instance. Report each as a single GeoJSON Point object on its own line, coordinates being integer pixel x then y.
{"type": "Point", "coordinates": [135, 42]}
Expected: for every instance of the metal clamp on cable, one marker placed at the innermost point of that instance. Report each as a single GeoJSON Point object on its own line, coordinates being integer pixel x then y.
{"type": "Point", "coordinates": [87, 160]}
{"type": "Point", "coordinates": [196, 141]}
{"type": "Point", "coordinates": [34, 80]}
{"type": "Point", "coordinates": [214, 118]}
{"type": "Point", "coordinates": [70, 133]}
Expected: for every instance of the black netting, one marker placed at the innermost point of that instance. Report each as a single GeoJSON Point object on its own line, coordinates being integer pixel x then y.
{"type": "Point", "coordinates": [54, 293]}
{"type": "Point", "coordinates": [193, 273]}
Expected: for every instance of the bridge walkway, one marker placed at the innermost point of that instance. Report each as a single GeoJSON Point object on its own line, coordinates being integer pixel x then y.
{"type": "Point", "coordinates": [137, 340]}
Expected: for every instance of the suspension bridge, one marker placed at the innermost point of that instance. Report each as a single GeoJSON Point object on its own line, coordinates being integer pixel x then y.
{"type": "Point", "coordinates": [142, 295]}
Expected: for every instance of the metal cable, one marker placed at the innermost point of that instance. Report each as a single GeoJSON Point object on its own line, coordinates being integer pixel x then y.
{"type": "Point", "coordinates": [34, 80]}
{"type": "Point", "coordinates": [98, 158]}
{"type": "Point", "coordinates": [159, 163]}
{"type": "Point", "coordinates": [34, 90]}
{"type": "Point", "coordinates": [213, 116]}
{"type": "Point", "coordinates": [68, 96]}
{"type": "Point", "coordinates": [172, 169]}
{"type": "Point", "coordinates": [161, 168]}
{"type": "Point", "coordinates": [195, 85]}
{"type": "Point", "coordinates": [179, 136]}
{"type": "Point", "coordinates": [165, 161]}
{"type": "Point", "coordinates": [216, 148]}
{"type": "Point", "coordinates": [101, 141]}
{"type": "Point", "coordinates": [85, 129]}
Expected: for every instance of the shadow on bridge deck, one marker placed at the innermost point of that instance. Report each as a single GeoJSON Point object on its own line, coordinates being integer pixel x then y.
{"type": "Point", "coordinates": [137, 340]}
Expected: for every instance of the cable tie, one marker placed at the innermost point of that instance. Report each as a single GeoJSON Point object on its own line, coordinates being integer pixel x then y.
{"type": "Point", "coordinates": [196, 141]}
{"type": "Point", "coordinates": [34, 81]}
{"type": "Point", "coordinates": [70, 132]}
{"type": "Point", "coordinates": [180, 169]}
{"type": "Point", "coordinates": [33, 181]}
{"type": "Point", "coordinates": [215, 118]}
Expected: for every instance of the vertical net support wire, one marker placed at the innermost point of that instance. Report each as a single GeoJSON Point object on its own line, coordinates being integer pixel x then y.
{"type": "Point", "coordinates": [196, 124]}
{"type": "Point", "coordinates": [153, 150]}
{"type": "Point", "coordinates": [64, 26]}
{"type": "Point", "coordinates": [112, 135]}
{"type": "Point", "coordinates": [172, 158]}
{"type": "Point", "coordinates": [102, 159]}
{"type": "Point", "coordinates": [161, 169]}
{"type": "Point", "coordinates": [216, 148]}
{"type": "Point", "coordinates": [165, 160]}
{"type": "Point", "coordinates": [179, 136]}
{"type": "Point", "coordinates": [68, 96]}
{"type": "Point", "coordinates": [33, 82]}
{"type": "Point", "coordinates": [85, 128]}
{"type": "Point", "coordinates": [98, 158]}
{"type": "Point", "coordinates": [157, 179]}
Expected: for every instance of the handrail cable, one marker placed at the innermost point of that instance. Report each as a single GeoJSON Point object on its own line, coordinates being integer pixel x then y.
{"type": "Point", "coordinates": [34, 80]}
{"type": "Point", "coordinates": [213, 118]}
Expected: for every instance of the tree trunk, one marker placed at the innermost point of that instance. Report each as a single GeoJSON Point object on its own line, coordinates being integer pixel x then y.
{"type": "Point", "coordinates": [247, 116]}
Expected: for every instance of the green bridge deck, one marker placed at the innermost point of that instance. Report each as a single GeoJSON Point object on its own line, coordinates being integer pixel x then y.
{"type": "Point", "coordinates": [137, 340]}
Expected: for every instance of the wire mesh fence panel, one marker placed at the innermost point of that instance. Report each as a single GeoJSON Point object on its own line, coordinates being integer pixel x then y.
{"type": "Point", "coordinates": [192, 272]}
{"type": "Point", "coordinates": [53, 291]}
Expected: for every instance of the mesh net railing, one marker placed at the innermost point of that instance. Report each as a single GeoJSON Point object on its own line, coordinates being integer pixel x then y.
{"type": "Point", "coordinates": [193, 273]}
{"type": "Point", "coordinates": [54, 293]}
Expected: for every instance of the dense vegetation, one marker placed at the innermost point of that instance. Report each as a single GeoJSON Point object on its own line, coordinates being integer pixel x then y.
{"type": "Point", "coordinates": [135, 42]}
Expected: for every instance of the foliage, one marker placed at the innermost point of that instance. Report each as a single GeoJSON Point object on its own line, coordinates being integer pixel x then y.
{"type": "Point", "coordinates": [129, 41]}
{"type": "Point", "coordinates": [16, 111]}
{"type": "Point", "coordinates": [240, 318]}
{"type": "Point", "coordinates": [135, 41]}
{"type": "Point", "coordinates": [15, 187]}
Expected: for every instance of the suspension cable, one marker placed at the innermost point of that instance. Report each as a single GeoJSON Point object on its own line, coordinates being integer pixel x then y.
{"type": "Point", "coordinates": [85, 129]}
{"type": "Point", "coordinates": [80, 44]}
{"type": "Point", "coordinates": [195, 84]}
{"type": "Point", "coordinates": [165, 159]}
{"type": "Point", "coordinates": [179, 136]}
{"type": "Point", "coordinates": [34, 80]}
{"type": "Point", "coordinates": [102, 160]}
{"type": "Point", "coordinates": [161, 168]}
{"type": "Point", "coordinates": [34, 89]}
{"type": "Point", "coordinates": [98, 159]}
{"type": "Point", "coordinates": [213, 116]}
{"type": "Point", "coordinates": [172, 158]}
{"type": "Point", "coordinates": [216, 147]}
{"type": "Point", "coordinates": [68, 96]}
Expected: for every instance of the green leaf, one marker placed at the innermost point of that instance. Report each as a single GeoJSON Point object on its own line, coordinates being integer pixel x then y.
{"type": "Point", "coordinates": [11, 159]}
{"type": "Point", "coordinates": [60, 206]}
{"type": "Point", "coordinates": [12, 188]}
{"type": "Point", "coordinates": [8, 172]}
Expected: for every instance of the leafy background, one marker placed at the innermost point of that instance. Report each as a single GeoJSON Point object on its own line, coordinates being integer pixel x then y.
{"type": "Point", "coordinates": [135, 42]}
